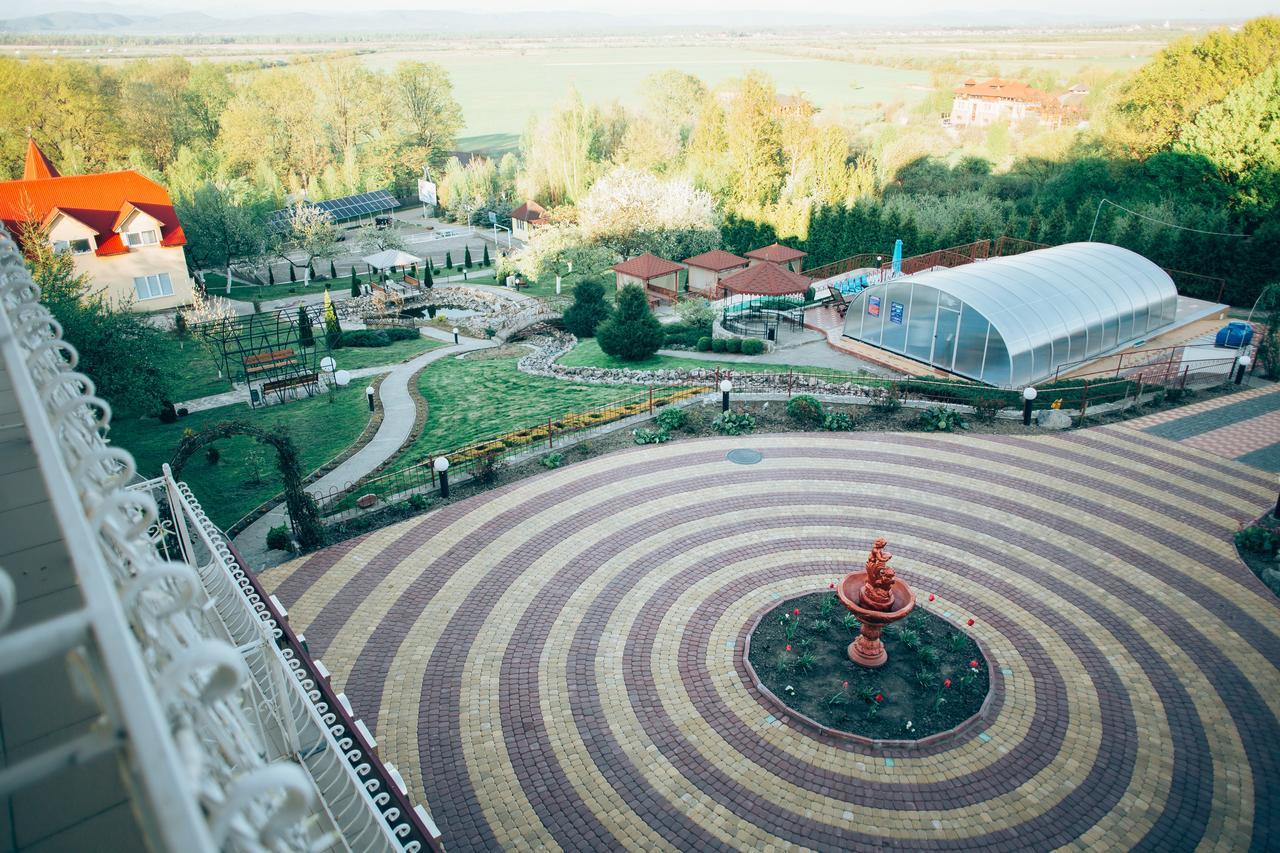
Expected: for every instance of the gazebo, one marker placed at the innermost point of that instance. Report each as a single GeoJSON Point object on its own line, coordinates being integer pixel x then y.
{"type": "Point", "coordinates": [758, 298]}
{"type": "Point", "coordinates": [656, 275]}
{"type": "Point", "coordinates": [707, 270]}
{"type": "Point", "coordinates": [779, 255]}
{"type": "Point", "coordinates": [390, 259]}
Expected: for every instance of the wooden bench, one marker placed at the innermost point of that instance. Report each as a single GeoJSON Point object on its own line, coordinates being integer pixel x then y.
{"type": "Point", "coordinates": [412, 282]}
{"type": "Point", "coordinates": [269, 360]}
{"type": "Point", "coordinates": [279, 386]}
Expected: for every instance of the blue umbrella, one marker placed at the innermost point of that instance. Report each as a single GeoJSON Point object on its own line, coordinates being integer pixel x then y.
{"type": "Point", "coordinates": [897, 257]}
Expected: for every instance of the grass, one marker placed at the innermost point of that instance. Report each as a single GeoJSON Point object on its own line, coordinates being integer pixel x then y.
{"type": "Point", "coordinates": [192, 372]}
{"type": "Point", "coordinates": [320, 430]}
{"type": "Point", "coordinates": [217, 286]}
{"type": "Point", "coordinates": [353, 358]}
{"type": "Point", "coordinates": [588, 354]}
{"type": "Point", "coordinates": [470, 399]}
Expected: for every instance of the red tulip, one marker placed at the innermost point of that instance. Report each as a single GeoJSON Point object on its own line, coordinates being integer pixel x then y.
{"type": "Point", "coordinates": [947, 683]}
{"type": "Point", "coordinates": [973, 664]}
{"type": "Point", "coordinates": [796, 612]}
{"type": "Point", "coordinates": [970, 623]}
{"type": "Point", "coordinates": [846, 685]}
{"type": "Point", "coordinates": [879, 697]}
{"type": "Point", "coordinates": [788, 647]}
{"type": "Point", "coordinates": [931, 596]}
{"type": "Point", "coordinates": [831, 586]}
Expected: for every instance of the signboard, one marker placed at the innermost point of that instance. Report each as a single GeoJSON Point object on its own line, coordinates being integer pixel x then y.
{"type": "Point", "coordinates": [426, 191]}
{"type": "Point", "coordinates": [873, 306]}
{"type": "Point", "coordinates": [895, 312]}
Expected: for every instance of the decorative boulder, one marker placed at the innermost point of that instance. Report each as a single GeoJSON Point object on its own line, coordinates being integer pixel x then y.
{"type": "Point", "coordinates": [1053, 419]}
{"type": "Point", "coordinates": [366, 501]}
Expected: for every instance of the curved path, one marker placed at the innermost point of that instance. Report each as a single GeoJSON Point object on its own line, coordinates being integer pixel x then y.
{"type": "Point", "coordinates": [557, 663]}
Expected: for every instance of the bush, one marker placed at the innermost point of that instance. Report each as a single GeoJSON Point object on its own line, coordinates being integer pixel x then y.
{"type": "Point", "coordinates": [752, 346]}
{"type": "Point", "coordinates": [1258, 539]}
{"type": "Point", "coordinates": [167, 413]}
{"type": "Point", "coordinates": [697, 313]}
{"type": "Point", "coordinates": [366, 338]}
{"type": "Point", "coordinates": [939, 419]}
{"type": "Point", "coordinates": [588, 310]}
{"type": "Point", "coordinates": [733, 423]}
{"type": "Point", "coordinates": [632, 333]}
{"type": "Point", "coordinates": [650, 436]}
{"type": "Point", "coordinates": [672, 417]}
{"type": "Point", "coordinates": [888, 402]}
{"type": "Point", "coordinates": [717, 344]}
{"type": "Point", "coordinates": [278, 539]}
{"type": "Point", "coordinates": [704, 344]}
{"type": "Point", "coordinates": [985, 409]}
{"type": "Point", "coordinates": [806, 410]}
{"type": "Point", "coordinates": [180, 324]}
{"type": "Point", "coordinates": [212, 454]}
{"type": "Point", "coordinates": [183, 412]}
{"type": "Point", "coordinates": [418, 502]}
{"type": "Point", "coordinates": [733, 345]}
{"type": "Point", "coordinates": [837, 422]}
{"type": "Point", "coordinates": [809, 293]}
{"type": "Point", "coordinates": [552, 460]}
{"type": "Point", "coordinates": [683, 335]}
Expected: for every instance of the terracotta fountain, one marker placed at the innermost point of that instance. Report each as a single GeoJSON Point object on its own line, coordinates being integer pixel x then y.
{"type": "Point", "coordinates": [877, 598]}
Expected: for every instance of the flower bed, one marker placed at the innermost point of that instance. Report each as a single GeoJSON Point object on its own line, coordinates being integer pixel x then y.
{"type": "Point", "coordinates": [935, 680]}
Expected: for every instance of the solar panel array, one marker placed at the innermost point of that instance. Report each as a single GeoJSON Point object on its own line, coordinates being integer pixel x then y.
{"type": "Point", "coordinates": [342, 209]}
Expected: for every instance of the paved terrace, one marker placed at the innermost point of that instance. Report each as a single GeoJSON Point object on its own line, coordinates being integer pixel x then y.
{"type": "Point", "coordinates": [557, 663]}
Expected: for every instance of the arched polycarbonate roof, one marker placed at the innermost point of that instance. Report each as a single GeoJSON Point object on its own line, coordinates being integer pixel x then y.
{"type": "Point", "coordinates": [1034, 298]}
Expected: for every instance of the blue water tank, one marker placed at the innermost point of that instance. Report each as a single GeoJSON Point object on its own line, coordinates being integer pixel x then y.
{"type": "Point", "coordinates": [1235, 335]}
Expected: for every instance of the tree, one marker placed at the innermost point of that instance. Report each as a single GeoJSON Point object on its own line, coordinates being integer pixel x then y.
{"type": "Point", "coordinates": [429, 281]}
{"type": "Point", "coordinates": [429, 110]}
{"type": "Point", "coordinates": [306, 337]}
{"type": "Point", "coordinates": [484, 261]}
{"type": "Point", "coordinates": [224, 225]}
{"type": "Point", "coordinates": [448, 260]}
{"type": "Point", "coordinates": [332, 328]}
{"type": "Point", "coordinates": [333, 269]}
{"type": "Point", "coordinates": [309, 232]}
{"type": "Point", "coordinates": [632, 333]}
{"type": "Point", "coordinates": [630, 211]}
{"type": "Point", "coordinates": [588, 309]}
{"type": "Point", "coordinates": [371, 240]}
{"type": "Point", "coordinates": [466, 257]}
{"type": "Point", "coordinates": [355, 283]}
{"type": "Point", "coordinates": [754, 134]}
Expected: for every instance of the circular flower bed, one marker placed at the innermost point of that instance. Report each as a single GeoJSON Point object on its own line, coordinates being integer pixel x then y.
{"type": "Point", "coordinates": [936, 677]}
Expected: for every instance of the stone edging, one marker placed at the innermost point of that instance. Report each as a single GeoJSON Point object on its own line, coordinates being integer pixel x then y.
{"type": "Point", "coordinates": [768, 697]}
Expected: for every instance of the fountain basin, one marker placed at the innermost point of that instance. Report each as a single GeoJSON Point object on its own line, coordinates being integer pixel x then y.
{"type": "Point", "coordinates": [867, 649]}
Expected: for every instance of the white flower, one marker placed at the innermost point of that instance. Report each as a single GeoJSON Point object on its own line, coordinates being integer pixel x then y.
{"type": "Point", "coordinates": [910, 726]}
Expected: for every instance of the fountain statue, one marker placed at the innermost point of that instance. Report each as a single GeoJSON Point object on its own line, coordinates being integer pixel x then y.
{"type": "Point", "coordinates": [877, 598]}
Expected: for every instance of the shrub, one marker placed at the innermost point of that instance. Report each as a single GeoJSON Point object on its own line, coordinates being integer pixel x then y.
{"type": "Point", "coordinates": [1258, 539]}
{"type": "Point", "coordinates": [888, 402]}
{"type": "Point", "coordinates": [650, 436]}
{"type": "Point", "coordinates": [180, 324]}
{"type": "Point", "coordinates": [733, 345]}
{"type": "Point", "coordinates": [167, 413]}
{"type": "Point", "coordinates": [683, 335]}
{"type": "Point", "coordinates": [399, 333]}
{"type": "Point", "coordinates": [837, 422]}
{"type": "Point", "coordinates": [306, 334]}
{"type": "Point", "coordinates": [806, 409]}
{"type": "Point", "coordinates": [752, 346]}
{"type": "Point", "coordinates": [939, 419]}
{"type": "Point", "coordinates": [704, 344]}
{"type": "Point", "coordinates": [366, 338]}
{"type": "Point", "coordinates": [485, 469]}
{"type": "Point", "coordinates": [418, 502]}
{"type": "Point", "coordinates": [183, 412]}
{"type": "Point", "coordinates": [588, 310]}
{"type": "Point", "coordinates": [717, 344]}
{"type": "Point", "coordinates": [733, 423]}
{"type": "Point", "coordinates": [212, 454]}
{"type": "Point", "coordinates": [809, 293]}
{"type": "Point", "coordinates": [985, 409]}
{"type": "Point", "coordinates": [632, 333]}
{"type": "Point", "coordinates": [278, 539]}
{"type": "Point", "coordinates": [672, 417]}
{"type": "Point", "coordinates": [697, 313]}
{"type": "Point", "coordinates": [552, 460]}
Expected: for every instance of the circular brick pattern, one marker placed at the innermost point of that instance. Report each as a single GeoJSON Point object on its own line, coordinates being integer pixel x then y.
{"type": "Point", "coordinates": [558, 663]}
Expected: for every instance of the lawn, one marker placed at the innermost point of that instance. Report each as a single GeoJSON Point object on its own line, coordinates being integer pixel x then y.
{"type": "Point", "coordinates": [588, 354]}
{"type": "Point", "coordinates": [217, 286]}
{"type": "Point", "coordinates": [353, 358]}
{"type": "Point", "coordinates": [191, 371]}
{"type": "Point", "coordinates": [474, 398]}
{"type": "Point", "coordinates": [320, 429]}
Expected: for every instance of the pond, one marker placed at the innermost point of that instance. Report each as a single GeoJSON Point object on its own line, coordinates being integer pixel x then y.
{"type": "Point", "coordinates": [454, 314]}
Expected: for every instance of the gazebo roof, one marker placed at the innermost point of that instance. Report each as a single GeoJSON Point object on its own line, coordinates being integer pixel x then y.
{"type": "Point", "coordinates": [776, 254]}
{"type": "Point", "coordinates": [389, 258]}
{"type": "Point", "coordinates": [766, 280]}
{"type": "Point", "coordinates": [716, 260]}
{"type": "Point", "coordinates": [647, 266]}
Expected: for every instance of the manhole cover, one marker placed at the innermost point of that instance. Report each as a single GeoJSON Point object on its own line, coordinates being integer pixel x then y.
{"type": "Point", "coordinates": [744, 456]}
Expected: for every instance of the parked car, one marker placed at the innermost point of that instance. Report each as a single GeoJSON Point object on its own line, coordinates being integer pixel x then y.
{"type": "Point", "coordinates": [1235, 335]}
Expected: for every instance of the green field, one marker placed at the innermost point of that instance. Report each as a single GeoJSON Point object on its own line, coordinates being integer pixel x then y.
{"type": "Point", "coordinates": [320, 430]}
{"type": "Point", "coordinates": [190, 370]}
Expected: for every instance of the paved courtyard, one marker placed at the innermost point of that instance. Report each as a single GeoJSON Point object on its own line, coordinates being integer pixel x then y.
{"type": "Point", "coordinates": [557, 663]}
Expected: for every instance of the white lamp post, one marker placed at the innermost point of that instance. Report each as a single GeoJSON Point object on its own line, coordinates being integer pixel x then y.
{"type": "Point", "coordinates": [1028, 394]}
{"type": "Point", "coordinates": [442, 468]}
{"type": "Point", "coordinates": [725, 387]}
{"type": "Point", "coordinates": [1242, 364]}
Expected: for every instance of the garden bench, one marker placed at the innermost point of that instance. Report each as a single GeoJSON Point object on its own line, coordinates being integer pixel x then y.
{"type": "Point", "coordinates": [269, 360]}
{"type": "Point", "coordinates": [412, 282]}
{"type": "Point", "coordinates": [279, 386]}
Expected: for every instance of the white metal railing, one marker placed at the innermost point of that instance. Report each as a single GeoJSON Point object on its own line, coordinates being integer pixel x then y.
{"type": "Point", "coordinates": [222, 745]}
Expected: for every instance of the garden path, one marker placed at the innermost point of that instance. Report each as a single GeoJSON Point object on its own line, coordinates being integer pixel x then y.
{"type": "Point", "coordinates": [1243, 426]}
{"type": "Point", "coordinates": [557, 663]}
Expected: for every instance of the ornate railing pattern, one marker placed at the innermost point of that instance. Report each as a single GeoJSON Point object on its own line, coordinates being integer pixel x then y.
{"type": "Point", "coordinates": [224, 744]}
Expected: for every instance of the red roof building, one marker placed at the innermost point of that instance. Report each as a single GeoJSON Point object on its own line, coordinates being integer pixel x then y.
{"type": "Point", "coordinates": [708, 269]}
{"type": "Point", "coordinates": [120, 227]}
{"type": "Point", "coordinates": [996, 100]}
{"type": "Point", "coordinates": [525, 218]}
{"type": "Point", "coordinates": [783, 256]}
{"type": "Point", "coordinates": [766, 279]}
{"type": "Point", "coordinates": [658, 276]}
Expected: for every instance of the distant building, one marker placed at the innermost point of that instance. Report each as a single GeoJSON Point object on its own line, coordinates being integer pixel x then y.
{"type": "Point", "coordinates": [779, 255]}
{"type": "Point", "coordinates": [996, 101]}
{"type": "Point", "coordinates": [119, 227]}
{"type": "Point", "coordinates": [659, 277]}
{"type": "Point", "coordinates": [525, 218]}
{"type": "Point", "coordinates": [707, 270]}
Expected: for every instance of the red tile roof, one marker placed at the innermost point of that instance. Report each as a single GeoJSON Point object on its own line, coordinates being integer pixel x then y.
{"type": "Point", "coordinates": [717, 260]}
{"type": "Point", "coordinates": [38, 166]}
{"type": "Point", "coordinates": [766, 280]}
{"type": "Point", "coordinates": [647, 266]}
{"type": "Point", "coordinates": [530, 211]}
{"type": "Point", "coordinates": [101, 202]}
{"type": "Point", "coordinates": [1002, 89]}
{"type": "Point", "coordinates": [776, 254]}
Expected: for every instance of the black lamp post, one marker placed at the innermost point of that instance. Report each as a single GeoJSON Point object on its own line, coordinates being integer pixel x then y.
{"type": "Point", "coordinates": [725, 387]}
{"type": "Point", "coordinates": [1028, 394]}
{"type": "Point", "coordinates": [368, 393]}
{"type": "Point", "coordinates": [442, 468]}
{"type": "Point", "coordinates": [1242, 364]}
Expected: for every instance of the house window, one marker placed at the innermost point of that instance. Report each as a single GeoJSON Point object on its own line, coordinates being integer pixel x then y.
{"type": "Point", "coordinates": [153, 286]}
{"type": "Point", "coordinates": [75, 247]}
{"type": "Point", "coordinates": [140, 238]}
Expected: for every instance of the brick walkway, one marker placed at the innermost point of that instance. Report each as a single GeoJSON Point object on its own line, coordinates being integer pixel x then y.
{"type": "Point", "coordinates": [1243, 426]}
{"type": "Point", "coordinates": [557, 663]}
